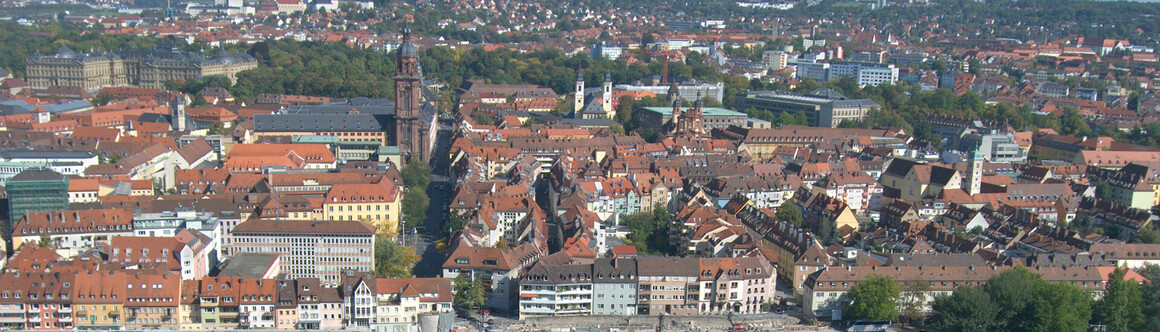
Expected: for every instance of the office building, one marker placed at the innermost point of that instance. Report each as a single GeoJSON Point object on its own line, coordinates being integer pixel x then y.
{"type": "Point", "coordinates": [35, 190]}
{"type": "Point", "coordinates": [862, 72]}
{"type": "Point", "coordinates": [823, 107]}
{"type": "Point", "coordinates": [310, 249]}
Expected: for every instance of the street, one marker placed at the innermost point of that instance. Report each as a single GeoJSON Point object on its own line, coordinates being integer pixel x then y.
{"type": "Point", "coordinates": [430, 260]}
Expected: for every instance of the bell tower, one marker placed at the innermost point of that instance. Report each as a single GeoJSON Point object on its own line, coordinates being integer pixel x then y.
{"type": "Point", "coordinates": [408, 99]}
{"type": "Point", "coordinates": [579, 92]}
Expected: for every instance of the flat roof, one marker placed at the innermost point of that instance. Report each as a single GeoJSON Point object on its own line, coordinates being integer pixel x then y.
{"type": "Point", "coordinates": [249, 265]}
{"type": "Point", "coordinates": [315, 139]}
{"type": "Point", "coordinates": [707, 111]}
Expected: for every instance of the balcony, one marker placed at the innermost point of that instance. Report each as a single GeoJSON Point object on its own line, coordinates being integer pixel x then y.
{"type": "Point", "coordinates": [534, 310]}
{"type": "Point", "coordinates": [64, 309]}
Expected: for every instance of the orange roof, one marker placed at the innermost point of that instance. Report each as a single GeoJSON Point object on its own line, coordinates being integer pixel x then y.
{"type": "Point", "coordinates": [315, 153]}
{"type": "Point", "coordinates": [83, 184]}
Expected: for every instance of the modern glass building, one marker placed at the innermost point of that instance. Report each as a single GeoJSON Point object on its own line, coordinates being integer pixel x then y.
{"type": "Point", "coordinates": [36, 189]}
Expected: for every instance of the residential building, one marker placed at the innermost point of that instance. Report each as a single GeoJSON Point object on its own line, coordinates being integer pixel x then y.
{"type": "Point", "coordinates": [98, 298]}
{"type": "Point", "coordinates": [497, 269]}
{"type": "Point", "coordinates": [775, 60]}
{"type": "Point", "coordinates": [151, 300]}
{"type": "Point", "coordinates": [401, 301]}
{"type": "Point", "coordinates": [1129, 255]}
{"type": "Point", "coordinates": [668, 286]}
{"type": "Point", "coordinates": [73, 231]}
{"type": "Point", "coordinates": [614, 287]}
{"type": "Point", "coordinates": [556, 290]}
{"type": "Point", "coordinates": [736, 285]}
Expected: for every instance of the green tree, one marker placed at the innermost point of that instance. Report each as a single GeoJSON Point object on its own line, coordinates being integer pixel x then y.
{"type": "Point", "coordinates": [875, 298]}
{"type": "Point", "coordinates": [502, 244]}
{"type": "Point", "coordinates": [416, 175]}
{"type": "Point", "coordinates": [968, 308]}
{"type": "Point", "coordinates": [649, 231]}
{"type": "Point", "coordinates": [468, 293]}
{"type": "Point", "coordinates": [218, 128]}
{"type": "Point", "coordinates": [415, 203]}
{"type": "Point", "coordinates": [616, 129]}
{"type": "Point", "coordinates": [483, 119]}
{"type": "Point", "coordinates": [1151, 296]}
{"type": "Point", "coordinates": [1060, 306]}
{"type": "Point", "coordinates": [46, 241]}
{"type": "Point", "coordinates": [624, 110]}
{"type": "Point", "coordinates": [103, 99]}
{"type": "Point", "coordinates": [1014, 291]}
{"type": "Point", "coordinates": [788, 211]}
{"type": "Point", "coordinates": [1146, 235]}
{"type": "Point", "coordinates": [913, 300]}
{"type": "Point", "coordinates": [1122, 307]}
{"type": "Point", "coordinates": [393, 260]}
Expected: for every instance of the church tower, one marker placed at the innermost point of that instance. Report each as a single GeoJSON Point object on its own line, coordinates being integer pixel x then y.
{"type": "Point", "coordinates": [691, 123]}
{"type": "Point", "coordinates": [607, 101]}
{"type": "Point", "coordinates": [409, 134]}
{"type": "Point", "coordinates": [177, 113]}
{"type": "Point", "coordinates": [974, 174]}
{"type": "Point", "coordinates": [579, 91]}
{"type": "Point", "coordinates": [674, 124]}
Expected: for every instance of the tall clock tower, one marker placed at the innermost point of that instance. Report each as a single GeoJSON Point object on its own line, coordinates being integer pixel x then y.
{"type": "Point", "coordinates": [409, 134]}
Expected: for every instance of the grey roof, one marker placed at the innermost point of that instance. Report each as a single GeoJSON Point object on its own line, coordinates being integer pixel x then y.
{"type": "Point", "coordinates": [851, 103]}
{"type": "Point", "coordinates": [38, 174]}
{"type": "Point", "coordinates": [30, 154]}
{"type": "Point", "coordinates": [594, 106]}
{"type": "Point", "coordinates": [614, 270]}
{"type": "Point", "coordinates": [248, 265]}
{"type": "Point", "coordinates": [600, 122]}
{"type": "Point", "coordinates": [827, 93]}
{"type": "Point", "coordinates": [667, 266]}
{"type": "Point", "coordinates": [19, 106]}
{"type": "Point", "coordinates": [4, 73]}
{"type": "Point", "coordinates": [364, 106]}
{"type": "Point", "coordinates": [318, 122]}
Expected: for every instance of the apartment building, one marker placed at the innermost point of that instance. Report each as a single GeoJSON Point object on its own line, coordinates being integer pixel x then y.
{"type": "Point", "coordinates": [664, 286]}
{"type": "Point", "coordinates": [497, 269]}
{"type": "Point", "coordinates": [668, 286]}
{"type": "Point", "coordinates": [557, 290]}
{"type": "Point", "coordinates": [401, 301]}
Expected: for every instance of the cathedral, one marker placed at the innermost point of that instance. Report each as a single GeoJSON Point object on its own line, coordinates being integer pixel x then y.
{"type": "Point", "coordinates": [415, 114]}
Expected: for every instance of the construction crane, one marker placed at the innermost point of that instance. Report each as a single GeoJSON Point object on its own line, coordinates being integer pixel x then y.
{"type": "Point", "coordinates": [665, 65]}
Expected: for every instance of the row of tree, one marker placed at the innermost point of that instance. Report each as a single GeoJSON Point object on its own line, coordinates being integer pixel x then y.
{"type": "Point", "coordinates": [1015, 300]}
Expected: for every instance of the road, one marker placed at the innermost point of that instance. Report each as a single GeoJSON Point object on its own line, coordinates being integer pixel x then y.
{"type": "Point", "coordinates": [430, 260]}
